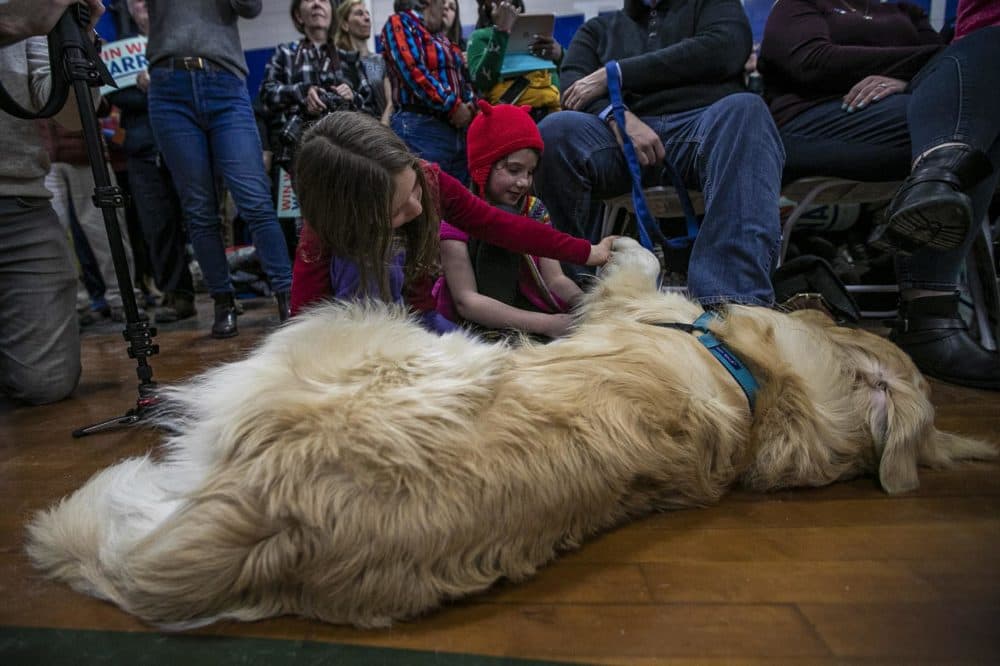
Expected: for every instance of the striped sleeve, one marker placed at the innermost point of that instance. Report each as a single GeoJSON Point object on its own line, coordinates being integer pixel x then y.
{"type": "Point", "coordinates": [421, 65]}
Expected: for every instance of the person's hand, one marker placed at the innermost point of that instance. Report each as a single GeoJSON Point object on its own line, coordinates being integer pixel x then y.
{"type": "Point", "coordinates": [871, 89]}
{"type": "Point", "coordinates": [461, 116]}
{"type": "Point", "coordinates": [546, 47]}
{"type": "Point", "coordinates": [648, 146]}
{"type": "Point", "coordinates": [557, 325]}
{"type": "Point", "coordinates": [585, 90]}
{"type": "Point", "coordinates": [268, 158]}
{"type": "Point", "coordinates": [20, 19]}
{"type": "Point", "coordinates": [314, 104]}
{"type": "Point", "coordinates": [142, 81]}
{"type": "Point", "coordinates": [344, 91]}
{"type": "Point", "coordinates": [600, 254]}
{"type": "Point", "coordinates": [504, 16]}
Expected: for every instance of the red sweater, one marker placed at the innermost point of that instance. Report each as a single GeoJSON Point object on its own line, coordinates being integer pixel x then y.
{"type": "Point", "coordinates": [311, 271]}
{"type": "Point", "coordinates": [815, 51]}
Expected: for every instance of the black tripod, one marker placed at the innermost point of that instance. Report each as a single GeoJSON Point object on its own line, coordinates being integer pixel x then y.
{"type": "Point", "coordinates": [76, 63]}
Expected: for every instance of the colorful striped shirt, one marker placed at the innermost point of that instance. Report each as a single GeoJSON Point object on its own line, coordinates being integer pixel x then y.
{"type": "Point", "coordinates": [426, 70]}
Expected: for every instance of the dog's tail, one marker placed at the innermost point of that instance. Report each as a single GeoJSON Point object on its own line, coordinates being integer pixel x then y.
{"type": "Point", "coordinates": [177, 564]}
{"type": "Point", "coordinates": [82, 539]}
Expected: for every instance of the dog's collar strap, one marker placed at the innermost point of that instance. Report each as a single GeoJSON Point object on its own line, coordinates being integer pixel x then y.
{"type": "Point", "coordinates": [721, 352]}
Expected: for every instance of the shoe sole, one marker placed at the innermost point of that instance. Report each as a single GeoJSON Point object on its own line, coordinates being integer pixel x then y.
{"type": "Point", "coordinates": [941, 225]}
{"type": "Point", "coordinates": [223, 336]}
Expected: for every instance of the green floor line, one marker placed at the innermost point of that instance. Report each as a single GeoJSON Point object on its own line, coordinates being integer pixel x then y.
{"type": "Point", "coordinates": [52, 647]}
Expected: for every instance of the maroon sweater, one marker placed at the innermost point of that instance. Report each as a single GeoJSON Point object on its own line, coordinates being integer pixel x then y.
{"type": "Point", "coordinates": [815, 51]}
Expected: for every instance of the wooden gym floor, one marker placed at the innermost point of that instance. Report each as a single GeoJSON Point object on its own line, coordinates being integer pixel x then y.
{"type": "Point", "coordinates": [841, 574]}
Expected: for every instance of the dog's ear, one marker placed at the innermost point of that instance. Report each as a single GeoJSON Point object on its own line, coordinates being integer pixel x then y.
{"type": "Point", "coordinates": [897, 471]}
{"type": "Point", "coordinates": [900, 418]}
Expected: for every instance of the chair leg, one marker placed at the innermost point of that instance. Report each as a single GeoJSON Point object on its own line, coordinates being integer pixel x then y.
{"type": "Point", "coordinates": [981, 275]}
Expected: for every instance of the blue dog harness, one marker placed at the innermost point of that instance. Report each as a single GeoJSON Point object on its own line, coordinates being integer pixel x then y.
{"type": "Point", "coordinates": [721, 352]}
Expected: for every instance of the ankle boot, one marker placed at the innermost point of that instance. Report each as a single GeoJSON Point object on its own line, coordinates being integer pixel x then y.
{"type": "Point", "coordinates": [284, 299]}
{"type": "Point", "coordinates": [931, 208]}
{"type": "Point", "coordinates": [933, 333]}
{"type": "Point", "coordinates": [225, 316]}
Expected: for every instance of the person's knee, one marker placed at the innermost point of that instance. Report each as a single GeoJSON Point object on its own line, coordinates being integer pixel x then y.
{"type": "Point", "coordinates": [559, 130]}
{"type": "Point", "coordinates": [40, 386]}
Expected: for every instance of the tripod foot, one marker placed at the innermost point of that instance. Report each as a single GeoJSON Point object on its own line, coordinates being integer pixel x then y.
{"type": "Point", "coordinates": [147, 400]}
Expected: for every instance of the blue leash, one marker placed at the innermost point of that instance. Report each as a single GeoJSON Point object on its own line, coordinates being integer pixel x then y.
{"type": "Point", "coordinates": [649, 229]}
{"type": "Point", "coordinates": [721, 352]}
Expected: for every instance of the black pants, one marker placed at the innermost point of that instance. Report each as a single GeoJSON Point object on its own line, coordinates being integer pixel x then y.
{"type": "Point", "coordinates": [162, 224]}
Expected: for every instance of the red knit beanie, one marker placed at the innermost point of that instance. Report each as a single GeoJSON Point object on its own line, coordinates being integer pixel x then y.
{"type": "Point", "coordinates": [495, 132]}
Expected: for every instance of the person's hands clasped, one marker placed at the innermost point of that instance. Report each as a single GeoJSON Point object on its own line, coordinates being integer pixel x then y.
{"type": "Point", "coordinates": [546, 47]}
{"type": "Point", "coordinates": [504, 16]}
{"type": "Point", "coordinates": [648, 146]}
{"type": "Point", "coordinates": [871, 89]}
{"type": "Point", "coordinates": [600, 254]}
{"type": "Point", "coordinates": [585, 90]}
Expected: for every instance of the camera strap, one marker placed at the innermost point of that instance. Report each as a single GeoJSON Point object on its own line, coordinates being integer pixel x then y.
{"type": "Point", "coordinates": [65, 41]}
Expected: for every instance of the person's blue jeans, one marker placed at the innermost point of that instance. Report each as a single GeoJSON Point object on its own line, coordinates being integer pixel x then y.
{"type": "Point", "coordinates": [730, 150]}
{"type": "Point", "coordinates": [434, 140]}
{"type": "Point", "coordinates": [953, 98]}
{"type": "Point", "coordinates": [204, 126]}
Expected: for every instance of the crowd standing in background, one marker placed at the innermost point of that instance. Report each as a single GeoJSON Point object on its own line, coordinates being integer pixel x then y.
{"type": "Point", "coordinates": [444, 212]}
{"type": "Point", "coordinates": [153, 192]}
{"type": "Point", "coordinates": [204, 124]}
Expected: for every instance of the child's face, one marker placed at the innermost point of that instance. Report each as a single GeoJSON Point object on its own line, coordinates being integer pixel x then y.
{"type": "Point", "coordinates": [511, 177]}
{"type": "Point", "coordinates": [406, 199]}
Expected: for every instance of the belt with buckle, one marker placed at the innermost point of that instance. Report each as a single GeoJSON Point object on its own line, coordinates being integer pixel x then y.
{"type": "Point", "coordinates": [189, 63]}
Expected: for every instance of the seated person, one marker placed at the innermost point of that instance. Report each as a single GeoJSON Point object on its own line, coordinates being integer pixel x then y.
{"type": "Point", "coordinates": [487, 56]}
{"type": "Point", "coordinates": [372, 209]}
{"type": "Point", "coordinates": [492, 288]}
{"type": "Point", "coordinates": [681, 68]}
{"type": "Point", "coordinates": [868, 91]}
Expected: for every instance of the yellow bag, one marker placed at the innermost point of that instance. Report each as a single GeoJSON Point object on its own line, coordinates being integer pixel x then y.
{"type": "Point", "coordinates": [540, 93]}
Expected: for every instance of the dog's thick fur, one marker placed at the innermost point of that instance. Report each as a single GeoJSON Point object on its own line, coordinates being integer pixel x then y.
{"type": "Point", "coordinates": [358, 469]}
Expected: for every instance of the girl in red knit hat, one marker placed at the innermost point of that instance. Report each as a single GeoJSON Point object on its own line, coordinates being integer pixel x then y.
{"type": "Point", "coordinates": [483, 284]}
{"type": "Point", "coordinates": [372, 209]}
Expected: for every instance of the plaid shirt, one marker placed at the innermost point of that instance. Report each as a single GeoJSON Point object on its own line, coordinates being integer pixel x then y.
{"type": "Point", "coordinates": [426, 70]}
{"type": "Point", "coordinates": [296, 67]}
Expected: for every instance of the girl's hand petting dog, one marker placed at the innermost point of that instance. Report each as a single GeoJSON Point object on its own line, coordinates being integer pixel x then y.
{"type": "Point", "coordinates": [600, 254]}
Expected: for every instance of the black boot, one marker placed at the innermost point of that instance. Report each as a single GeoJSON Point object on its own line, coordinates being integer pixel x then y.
{"type": "Point", "coordinates": [225, 316]}
{"type": "Point", "coordinates": [931, 331]}
{"type": "Point", "coordinates": [284, 299]}
{"type": "Point", "coordinates": [931, 208]}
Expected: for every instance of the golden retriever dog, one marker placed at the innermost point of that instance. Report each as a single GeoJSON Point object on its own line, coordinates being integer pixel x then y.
{"type": "Point", "coordinates": [358, 469]}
